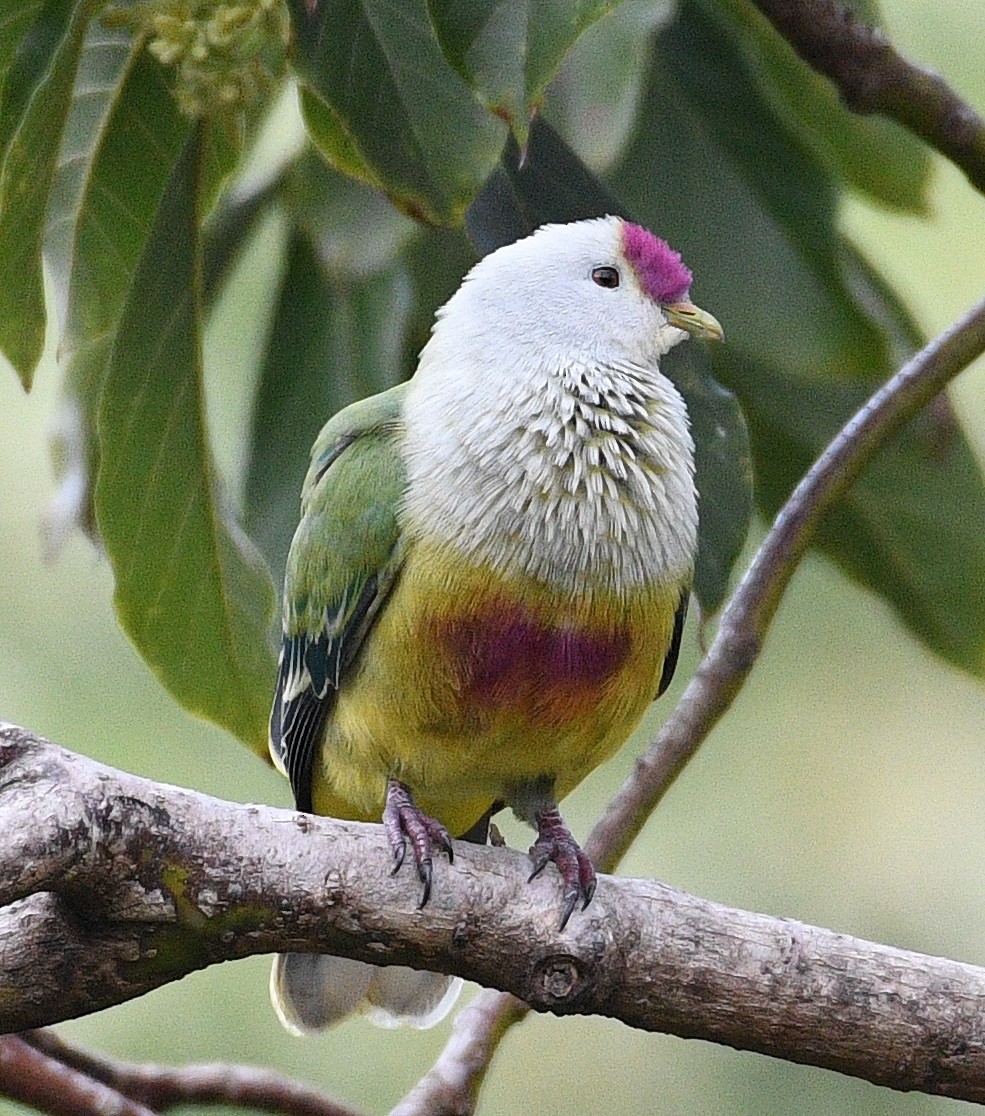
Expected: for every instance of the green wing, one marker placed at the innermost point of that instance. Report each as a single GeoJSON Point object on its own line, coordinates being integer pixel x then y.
{"type": "Point", "coordinates": [343, 561]}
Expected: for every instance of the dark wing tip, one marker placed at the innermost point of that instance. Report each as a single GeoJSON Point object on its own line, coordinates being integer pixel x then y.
{"type": "Point", "coordinates": [297, 721]}
{"type": "Point", "coordinates": [674, 650]}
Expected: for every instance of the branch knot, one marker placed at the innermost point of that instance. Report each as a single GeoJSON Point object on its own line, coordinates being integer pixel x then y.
{"type": "Point", "coordinates": [557, 980]}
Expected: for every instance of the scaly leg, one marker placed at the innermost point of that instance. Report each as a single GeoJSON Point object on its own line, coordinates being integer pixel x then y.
{"type": "Point", "coordinates": [555, 844]}
{"type": "Point", "coordinates": [403, 819]}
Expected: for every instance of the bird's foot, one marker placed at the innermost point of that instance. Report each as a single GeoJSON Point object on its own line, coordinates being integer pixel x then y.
{"type": "Point", "coordinates": [555, 844]}
{"type": "Point", "coordinates": [403, 819]}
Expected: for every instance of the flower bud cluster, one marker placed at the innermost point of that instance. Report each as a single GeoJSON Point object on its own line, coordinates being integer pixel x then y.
{"type": "Point", "coordinates": [225, 53]}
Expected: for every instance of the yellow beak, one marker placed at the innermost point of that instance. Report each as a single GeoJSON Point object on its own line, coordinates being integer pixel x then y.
{"type": "Point", "coordinates": [694, 320]}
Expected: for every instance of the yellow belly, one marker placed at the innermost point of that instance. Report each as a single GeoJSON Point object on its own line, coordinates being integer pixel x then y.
{"type": "Point", "coordinates": [469, 686]}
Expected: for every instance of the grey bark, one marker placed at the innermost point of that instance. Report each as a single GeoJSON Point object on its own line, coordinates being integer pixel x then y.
{"type": "Point", "coordinates": [111, 885]}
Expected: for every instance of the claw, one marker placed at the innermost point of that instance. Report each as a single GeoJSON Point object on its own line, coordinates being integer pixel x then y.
{"type": "Point", "coordinates": [424, 871]}
{"type": "Point", "coordinates": [555, 844]}
{"type": "Point", "coordinates": [403, 819]}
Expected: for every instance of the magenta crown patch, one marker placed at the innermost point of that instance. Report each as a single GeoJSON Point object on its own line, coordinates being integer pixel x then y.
{"type": "Point", "coordinates": [661, 273]}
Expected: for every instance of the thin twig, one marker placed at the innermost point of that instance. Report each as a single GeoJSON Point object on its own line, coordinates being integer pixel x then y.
{"type": "Point", "coordinates": [163, 1087]}
{"type": "Point", "coordinates": [722, 672]}
{"type": "Point", "coordinates": [452, 1084]}
{"type": "Point", "coordinates": [44, 1082]}
{"type": "Point", "coordinates": [872, 77]}
{"type": "Point", "coordinates": [747, 617]}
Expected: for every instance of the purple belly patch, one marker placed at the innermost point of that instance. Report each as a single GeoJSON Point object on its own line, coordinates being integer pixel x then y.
{"type": "Point", "coordinates": [504, 656]}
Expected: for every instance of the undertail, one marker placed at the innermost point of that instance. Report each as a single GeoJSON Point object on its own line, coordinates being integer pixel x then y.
{"type": "Point", "coordinates": [310, 992]}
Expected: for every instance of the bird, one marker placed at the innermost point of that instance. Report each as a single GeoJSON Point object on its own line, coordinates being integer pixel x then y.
{"type": "Point", "coordinates": [490, 576]}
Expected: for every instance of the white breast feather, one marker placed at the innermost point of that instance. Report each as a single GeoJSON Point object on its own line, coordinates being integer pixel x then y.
{"type": "Point", "coordinates": [581, 479]}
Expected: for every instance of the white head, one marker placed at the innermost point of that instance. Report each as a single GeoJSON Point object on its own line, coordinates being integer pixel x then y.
{"type": "Point", "coordinates": [603, 290]}
{"type": "Point", "coordinates": [541, 435]}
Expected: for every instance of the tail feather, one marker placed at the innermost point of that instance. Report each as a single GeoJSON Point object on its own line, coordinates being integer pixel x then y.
{"type": "Point", "coordinates": [408, 997]}
{"type": "Point", "coordinates": [311, 992]}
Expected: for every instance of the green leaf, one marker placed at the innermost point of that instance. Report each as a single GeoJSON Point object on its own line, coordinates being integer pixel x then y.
{"type": "Point", "coordinates": [220, 157]}
{"type": "Point", "coordinates": [336, 338]}
{"type": "Point", "coordinates": [509, 52]}
{"type": "Point", "coordinates": [332, 139]}
{"type": "Point", "coordinates": [593, 100]}
{"type": "Point", "coordinates": [384, 105]}
{"type": "Point", "coordinates": [810, 329]}
{"type": "Point", "coordinates": [26, 180]}
{"type": "Point", "coordinates": [746, 202]}
{"type": "Point", "coordinates": [549, 183]}
{"type": "Point", "coordinates": [912, 527]}
{"type": "Point", "coordinates": [130, 163]}
{"type": "Point", "coordinates": [107, 56]}
{"type": "Point", "coordinates": [191, 591]}
{"type": "Point", "coordinates": [436, 260]}
{"type": "Point", "coordinates": [870, 153]}
{"type": "Point", "coordinates": [553, 185]}
{"type": "Point", "coordinates": [357, 231]}
{"type": "Point", "coordinates": [117, 167]}
{"type": "Point", "coordinates": [723, 470]}
{"type": "Point", "coordinates": [229, 230]}
{"type": "Point", "coordinates": [30, 33]}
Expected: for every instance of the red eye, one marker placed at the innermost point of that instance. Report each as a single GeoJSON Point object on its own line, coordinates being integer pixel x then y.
{"type": "Point", "coordinates": [605, 277]}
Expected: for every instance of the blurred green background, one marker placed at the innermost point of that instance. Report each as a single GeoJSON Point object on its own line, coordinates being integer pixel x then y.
{"type": "Point", "coordinates": [846, 788]}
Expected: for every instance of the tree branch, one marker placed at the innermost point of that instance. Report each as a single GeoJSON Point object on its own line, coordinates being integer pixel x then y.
{"type": "Point", "coordinates": [121, 885]}
{"type": "Point", "coordinates": [873, 77]}
{"type": "Point", "coordinates": [452, 1084]}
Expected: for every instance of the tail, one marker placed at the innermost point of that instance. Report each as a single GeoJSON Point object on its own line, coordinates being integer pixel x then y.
{"type": "Point", "coordinates": [310, 992]}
